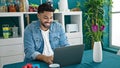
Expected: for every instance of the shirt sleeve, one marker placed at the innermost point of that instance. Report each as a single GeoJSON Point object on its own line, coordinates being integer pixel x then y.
{"type": "Point", "coordinates": [30, 52]}
{"type": "Point", "coordinates": [63, 37]}
{"type": "Point", "coordinates": [35, 54]}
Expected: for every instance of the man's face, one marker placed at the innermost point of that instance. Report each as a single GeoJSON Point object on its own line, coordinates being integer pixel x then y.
{"type": "Point", "coordinates": [46, 19]}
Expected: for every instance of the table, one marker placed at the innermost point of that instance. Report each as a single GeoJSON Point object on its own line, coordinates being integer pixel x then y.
{"type": "Point", "coordinates": [110, 60]}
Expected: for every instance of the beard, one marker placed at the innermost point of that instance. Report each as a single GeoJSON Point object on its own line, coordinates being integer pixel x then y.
{"type": "Point", "coordinates": [46, 24]}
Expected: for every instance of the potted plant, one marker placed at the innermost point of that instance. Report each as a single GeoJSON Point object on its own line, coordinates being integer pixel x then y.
{"type": "Point", "coordinates": [94, 25]}
{"type": "Point", "coordinates": [94, 22]}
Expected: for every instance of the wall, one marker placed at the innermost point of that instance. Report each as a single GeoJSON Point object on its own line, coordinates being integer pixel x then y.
{"type": "Point", "coordinates": [72, 4]}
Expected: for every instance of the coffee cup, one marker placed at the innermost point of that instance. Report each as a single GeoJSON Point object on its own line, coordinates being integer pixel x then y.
{"type": "Point", "coordinates": [55, 65]}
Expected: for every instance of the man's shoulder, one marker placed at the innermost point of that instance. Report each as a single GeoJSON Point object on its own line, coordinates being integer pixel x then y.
{"type": "Point", "coordinates": [56, 24]}
{"type": "Point", "coordinates": [33, 24]}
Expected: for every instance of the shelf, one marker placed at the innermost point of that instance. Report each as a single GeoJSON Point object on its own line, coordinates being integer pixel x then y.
{"type": "Point", "coordinates": [29, 12]}
{"type": "Point", "coordinates": [74, 35]}
{"type": "Point", "coordinates": [69, 13]}
{"type": "Point", "coordinates": [68, 19]}
{"type": "Point", "coordinates": [2, 14]}
{"type": "Point", "coordinates": [12, 14]}
{"type": "Point", "coordinates": [11, 49]}
{"type": "Point", "coordinates": [14, 44]}
{"type": "Point", "coordinates": [11, 41]}
{"type": "Point", "coordinates": [20, 26]}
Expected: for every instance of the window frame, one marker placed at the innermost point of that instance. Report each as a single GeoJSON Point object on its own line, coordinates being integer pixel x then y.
{"type": "Point", "coordinates": [110, 28]}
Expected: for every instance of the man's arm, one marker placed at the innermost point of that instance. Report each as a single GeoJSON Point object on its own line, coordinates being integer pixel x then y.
{"type": "Point", "coordinates": [47, 59]}
{"type": "Point", "coordinates": [29, 45]}
{"type": "Point", "coordinates": [63, 37]}
{"type": "Point", "coordinates": [30, 52]}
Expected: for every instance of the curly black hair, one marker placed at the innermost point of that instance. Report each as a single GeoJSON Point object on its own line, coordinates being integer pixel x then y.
{"type": "Point", "coordinates": [45, 7]}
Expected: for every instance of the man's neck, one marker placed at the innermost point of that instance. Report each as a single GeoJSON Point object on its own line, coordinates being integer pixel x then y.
{"type": "Point", "coordinates": [43, 28]}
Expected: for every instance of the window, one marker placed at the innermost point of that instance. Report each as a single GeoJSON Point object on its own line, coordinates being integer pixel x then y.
{"type": "Point", "coordinates": [115, 24]}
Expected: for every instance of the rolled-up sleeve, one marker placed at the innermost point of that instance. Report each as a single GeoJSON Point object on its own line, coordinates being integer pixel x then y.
{"type": "Point", "coordinates": [35, 54]}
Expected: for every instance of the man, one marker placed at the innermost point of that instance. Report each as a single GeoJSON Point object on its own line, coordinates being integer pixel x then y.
{"type": "Point", "coordinates": [43, 36]}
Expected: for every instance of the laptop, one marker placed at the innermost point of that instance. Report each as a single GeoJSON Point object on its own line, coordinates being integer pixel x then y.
{"type": "Point", "coordinates": [68, 55]}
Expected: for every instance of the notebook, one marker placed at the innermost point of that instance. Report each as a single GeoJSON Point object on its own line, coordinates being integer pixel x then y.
{"type": "Point", "coordinates": [69, 55]}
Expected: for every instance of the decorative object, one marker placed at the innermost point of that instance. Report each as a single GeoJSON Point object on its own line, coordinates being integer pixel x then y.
{"type": "Point", "coordinates": [94, 16]}
{"type": "Point", "coordinates": [72, 28]}
{"type": "Point", "coordinates": [56, 10]}
{"type": "Point", "coordinates": [33, 7]}
{"type": "Point", "coordinates": [95, 22]}
{"type": "Point", "coordinates": [63, 5]}
{"type": "Point", "coordinates": [40, 1]}
{"type": "Point", "coordinates": [97, 52]}
{"type": "Point", "coordinates": [11, 6]}
{"type": "Point", "coordinates": [94, 19]}
{"type": "Point", "coordinates": [97, 30]}
{"type": "Point", "coordinates": [97, 47]}
{"type": "Point", "coordinates": [15, 31]}
{"type": "Point", "coordinates": [22, 6]}
{"type": "Point", "coordinates": [6, 31]}
{"type": "Point", "coordinates": [50, 2]}
{"type": "Point", "coordinates": [26, 5]}
{"type": "Point", "coordinates": [3, 6]}
{"type": "Point", "coordinates": [75, 9]}
{"type": "Point", "coordinates": [29, 65]}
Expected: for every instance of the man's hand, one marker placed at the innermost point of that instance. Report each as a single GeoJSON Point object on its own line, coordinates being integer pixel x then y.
{"type": "Point", "coordinates": [47, 59]}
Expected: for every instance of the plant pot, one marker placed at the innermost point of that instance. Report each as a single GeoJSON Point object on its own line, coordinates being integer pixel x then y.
{"type": "Point", "coordinates": [97, 52]}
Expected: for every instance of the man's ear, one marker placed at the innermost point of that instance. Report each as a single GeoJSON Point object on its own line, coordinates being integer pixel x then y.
{"type": "Point", "coordinates": [38, 15]}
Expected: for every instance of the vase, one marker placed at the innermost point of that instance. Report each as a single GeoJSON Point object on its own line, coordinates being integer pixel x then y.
{"type": "Point", "coordinates": [63, 5]}
{"type": "Point", "coordinates": [97, 52]}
